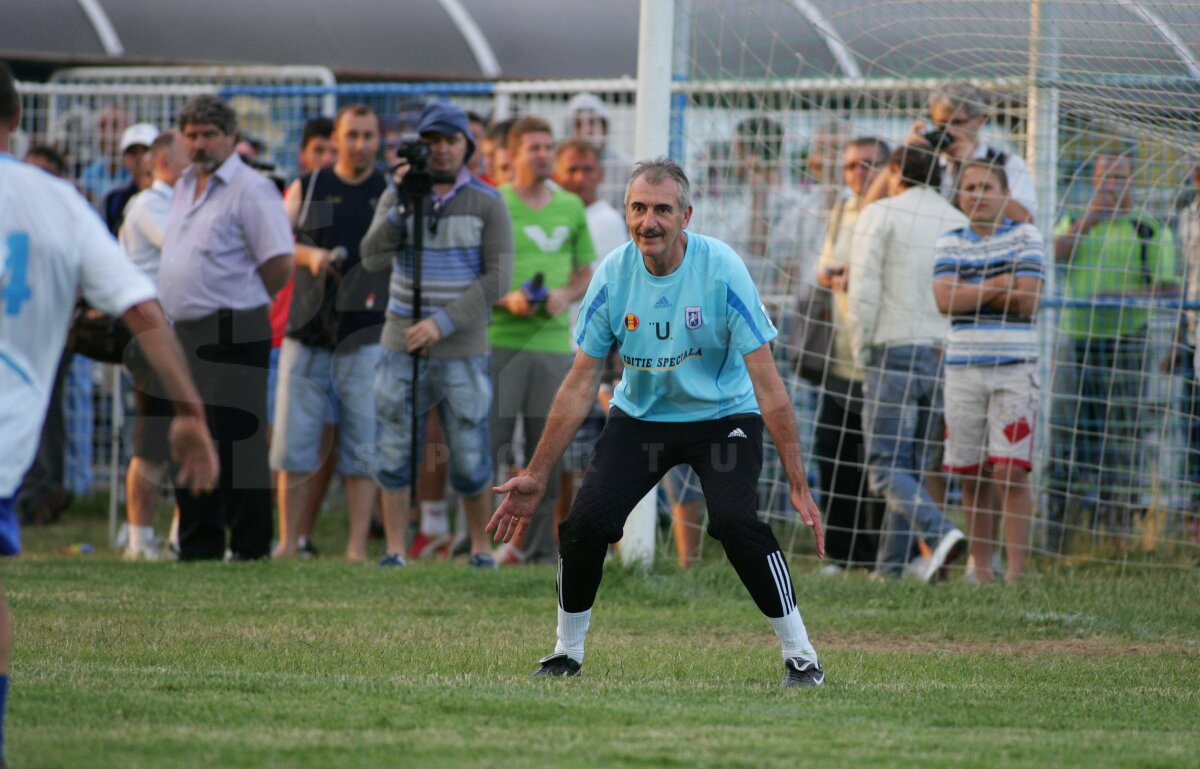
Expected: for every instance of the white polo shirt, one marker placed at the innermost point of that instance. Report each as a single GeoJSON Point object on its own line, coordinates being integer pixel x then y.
{"type": "Point", "coordinates": [52, 247]}
{"type": "Point", "coordinates": [141, 233]}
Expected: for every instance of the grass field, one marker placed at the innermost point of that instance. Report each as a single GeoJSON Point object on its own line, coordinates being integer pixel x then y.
{"type": "Point", "coordinates": [327, 664]}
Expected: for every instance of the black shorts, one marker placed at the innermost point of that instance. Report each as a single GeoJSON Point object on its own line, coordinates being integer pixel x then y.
{"type": "Point", "coordinates": [152, 412]}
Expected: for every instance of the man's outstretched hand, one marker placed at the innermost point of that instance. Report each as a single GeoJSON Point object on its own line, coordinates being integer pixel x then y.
{"type": "Point", "coordinates": [521, 496]}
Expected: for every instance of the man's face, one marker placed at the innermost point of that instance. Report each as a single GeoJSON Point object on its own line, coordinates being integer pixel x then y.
{"type": "Point", "coordinates": [823, 157]}
{"type": "Point", "coordinates": [317, 154]}
{"type": "Point", "coordinates": [479, 132]}
{"type": "Point", "coordinates": [980, 196]}
{"type": "Point", "coordinates": [207, 146]}
{"type": "Point", "coordinates": [110, 124]}
{"type": "Point", "coordinates": [962, 128]}
{"type": "Point", "coordinates": [859, 168]}
{"type": "Point", "coordinates": [534, 157]}
{"type": "Point", "coordinates": [446, 153]}
{"type": "Point", "coordinates": [578, 172]}
{"type": "Point", "coordinates": [1112, 182]}
{"type": "Point", "coordinates": [501, 165]}
{"type": "Point", "coordinates": [591, 128]}
{"type": "Point", "coordinates": [131, 158]}
{"type": "Point", "coordinates": [356, 139]}
{"type": "Point", "coordinates": [175, 159]}
{"type": "Point", "coordinates": [654, 218]}
{"type": "Point", "coordinates": [246, 150]}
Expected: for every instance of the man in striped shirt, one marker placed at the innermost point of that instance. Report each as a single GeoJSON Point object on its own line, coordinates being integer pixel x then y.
{"type": "Point", "coordinates": [987, 279]}
{"type": "Point", "coordinates": [466, 264]}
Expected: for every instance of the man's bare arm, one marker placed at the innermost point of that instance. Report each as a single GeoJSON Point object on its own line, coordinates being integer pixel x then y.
{"type": "Point", "coordinates": [275, 273]}
{"type": "Point", "coordinates": [780, 422]}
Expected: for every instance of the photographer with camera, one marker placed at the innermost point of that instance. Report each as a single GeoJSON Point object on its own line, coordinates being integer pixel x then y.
{"type": "Point", "coordinates": [328, 358]}
{"type": "Point", "coordinates": [957, 113]}
{"type": "Point", "coordinates": [459, 260]}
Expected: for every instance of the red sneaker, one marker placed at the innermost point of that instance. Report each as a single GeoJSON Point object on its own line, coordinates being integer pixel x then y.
{"type": "Point", "coordinates": [425, 546]}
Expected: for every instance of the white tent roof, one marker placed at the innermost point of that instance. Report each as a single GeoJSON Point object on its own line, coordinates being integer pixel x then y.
{"type": "Point", "coordinates": [587, 39]}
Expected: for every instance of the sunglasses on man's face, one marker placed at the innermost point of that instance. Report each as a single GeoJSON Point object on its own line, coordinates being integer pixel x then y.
{"type": "Point", "coordinates": [861, 165]}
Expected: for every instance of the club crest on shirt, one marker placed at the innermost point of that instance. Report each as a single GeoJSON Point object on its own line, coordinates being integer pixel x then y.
{"type": "Point", "coordinates": [631, 322]}
{"type": "Point", "coordinates": [691, 317]}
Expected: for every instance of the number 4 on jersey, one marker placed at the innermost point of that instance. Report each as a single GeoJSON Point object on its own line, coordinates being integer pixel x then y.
{"type": "Point", "coordinates": [16, 273]}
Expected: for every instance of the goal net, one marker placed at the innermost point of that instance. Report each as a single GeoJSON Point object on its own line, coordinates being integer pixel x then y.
{"type": "Point", "coordinates": [770, 94]}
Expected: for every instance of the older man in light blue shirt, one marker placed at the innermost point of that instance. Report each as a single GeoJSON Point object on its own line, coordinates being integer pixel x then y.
{"type": "Point", "coordinates": [227, 248]}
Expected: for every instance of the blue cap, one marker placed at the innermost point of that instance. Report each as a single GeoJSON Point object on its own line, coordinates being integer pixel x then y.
{"type": "Point", "coordinates": [447, 119]}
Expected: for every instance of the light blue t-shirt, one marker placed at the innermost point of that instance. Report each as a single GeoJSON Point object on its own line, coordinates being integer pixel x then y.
{"type": "Point", "coordinates": [681, 336]}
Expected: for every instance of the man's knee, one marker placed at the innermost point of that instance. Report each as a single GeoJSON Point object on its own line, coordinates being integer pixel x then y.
{"type": "Point", "coordinates": [597, 517]}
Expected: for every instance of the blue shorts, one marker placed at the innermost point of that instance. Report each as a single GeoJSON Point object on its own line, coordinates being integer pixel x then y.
{"type": "Point", "coordinates": [461, 389]}
{"type": "Point", "coordinates": [272, 381]}
{"type": "Point", "coordinates": [684, 486]}
{"type": "Point", "coordinates": [317, 386]}
{"type": "Point", "coordinates": [10, 527]}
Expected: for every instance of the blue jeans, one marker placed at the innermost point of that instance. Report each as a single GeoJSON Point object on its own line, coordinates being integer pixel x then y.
{"type": "Point", "coordinates": [316, 387]}
{"type": "Point", "coordinates": [461, 390]}
{"type": "Point", "coordinates": [902, 406]}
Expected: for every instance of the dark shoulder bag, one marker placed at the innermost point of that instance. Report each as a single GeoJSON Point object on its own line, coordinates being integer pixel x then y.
{"type": "Point", "coordinates": [97, 335]}
{"type": "Point", "coordinates": [811, 335]}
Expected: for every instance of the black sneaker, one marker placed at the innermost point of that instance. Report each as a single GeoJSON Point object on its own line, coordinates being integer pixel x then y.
{"type": "Point", "coordinates": [801, 672]}
{"type": "Point", "coordinates": [557, 665]}
{"type": "Point", "coordinates": [306, 549]}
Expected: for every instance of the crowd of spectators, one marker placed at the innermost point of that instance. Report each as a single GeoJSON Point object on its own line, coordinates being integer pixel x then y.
{"type": "Point", "coordinates": [299, 315]}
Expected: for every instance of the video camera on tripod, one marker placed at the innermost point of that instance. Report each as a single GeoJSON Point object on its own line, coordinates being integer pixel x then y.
{"type": "Point", "coordinates": [418, 180]}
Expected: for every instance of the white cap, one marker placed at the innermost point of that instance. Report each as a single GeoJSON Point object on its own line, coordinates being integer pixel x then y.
{"type": "Point", "coordinates": [586, 102]}
{"type": "Point", "coordinates": [138, 133]}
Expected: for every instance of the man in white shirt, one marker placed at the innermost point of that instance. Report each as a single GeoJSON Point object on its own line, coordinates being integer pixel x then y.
{"type": "Point", "coordinates": [896, 335]}
{"type": "Point", "coordinates": [53, 246]}
{"type": "Point", "coordinates": [141, 237]}
{"type": "Point", "coordinates": [588, 118]}
{"type": "Point", "coordinates": [577, 169]}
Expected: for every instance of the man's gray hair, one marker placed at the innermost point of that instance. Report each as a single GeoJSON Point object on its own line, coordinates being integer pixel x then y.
{"type": "Point", "coordinates": [658, 171]}
{"type": "Point", "coordinates": [958, 96]}
{"type": "Point", "coordinates": [208, 109]}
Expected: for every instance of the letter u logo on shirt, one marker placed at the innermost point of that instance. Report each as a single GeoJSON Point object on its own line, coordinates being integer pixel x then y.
{"type": "Point", "coordinates": [663, 330]}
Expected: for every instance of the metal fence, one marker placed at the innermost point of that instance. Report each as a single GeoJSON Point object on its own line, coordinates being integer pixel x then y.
{"type": "Point", "coordinates": [74, 113]}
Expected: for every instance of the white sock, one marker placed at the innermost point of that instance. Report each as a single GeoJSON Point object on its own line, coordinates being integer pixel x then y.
{"type": "Point", "coordinates": [572, 630]}
{"type": "Point", "coordinates": [140, 535]}
{"type": "Point", "coordinates": [792, 636]}
{"type": "Point", "coordinates": [434, 520]}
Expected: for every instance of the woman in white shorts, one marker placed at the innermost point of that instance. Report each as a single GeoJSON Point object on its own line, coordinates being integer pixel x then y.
{"type": "Point", "coordinates": [987, 279]}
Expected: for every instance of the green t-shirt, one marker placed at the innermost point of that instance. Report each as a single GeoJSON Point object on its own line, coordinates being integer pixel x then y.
{"type": "Point", "coordinates": [552, 240]}
{"type": "Point", "coordinates": [1108, 260]}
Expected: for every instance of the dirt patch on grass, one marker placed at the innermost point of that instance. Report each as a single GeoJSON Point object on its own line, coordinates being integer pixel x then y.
{"type": "Point", "coordinates": [1090, 646]}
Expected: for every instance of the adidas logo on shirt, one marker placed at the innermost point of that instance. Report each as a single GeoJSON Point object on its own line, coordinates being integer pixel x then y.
{"type": "Point", "coordinates": [662, 304]}
{"type": "Point", "coordinates": [737, 433]}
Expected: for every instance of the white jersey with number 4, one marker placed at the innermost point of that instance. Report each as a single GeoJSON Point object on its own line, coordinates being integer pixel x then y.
{"type": "Point", "coordinates": [53, 246]}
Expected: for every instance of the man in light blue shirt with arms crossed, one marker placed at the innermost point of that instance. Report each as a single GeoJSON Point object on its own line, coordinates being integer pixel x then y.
{"type": "Point", "coordinates": [698, 368]}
